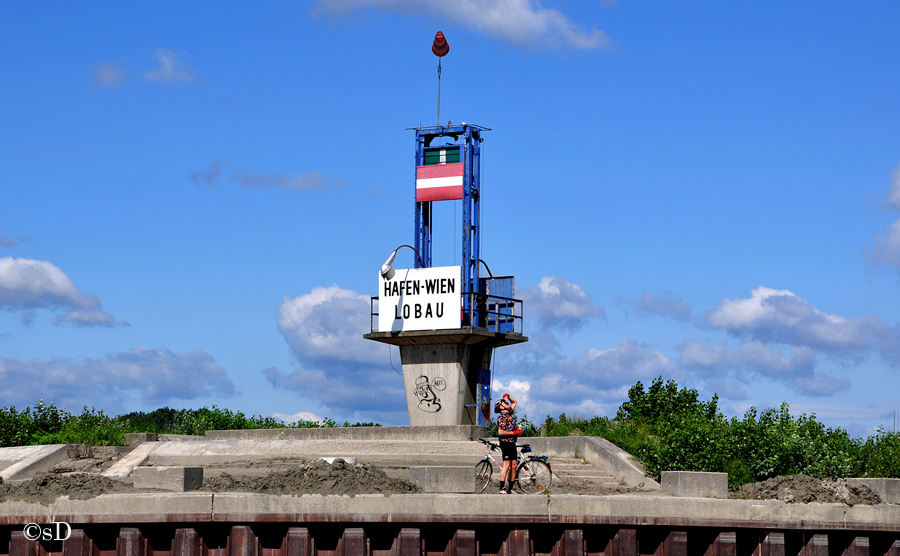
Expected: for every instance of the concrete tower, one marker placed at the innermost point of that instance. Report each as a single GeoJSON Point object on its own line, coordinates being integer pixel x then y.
{"type": "Point", "coordinates": [447, 320]}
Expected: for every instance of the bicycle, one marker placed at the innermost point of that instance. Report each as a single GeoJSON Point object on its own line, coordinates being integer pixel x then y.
{"type": "Point", "coordinates": [533, 473]}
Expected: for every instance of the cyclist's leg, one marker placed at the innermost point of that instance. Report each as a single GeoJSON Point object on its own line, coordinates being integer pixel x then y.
{"type": "Point", "coordinates": [512, 469]}
{"type": "Point", "coordinates": [508, 472]}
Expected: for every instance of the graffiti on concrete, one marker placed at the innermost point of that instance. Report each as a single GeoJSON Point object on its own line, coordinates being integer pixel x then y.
{"type": "Point", "coordinates": [426, 393]}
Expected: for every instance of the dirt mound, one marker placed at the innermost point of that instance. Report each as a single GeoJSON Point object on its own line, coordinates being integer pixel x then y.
{"type": "Point", "coordinates": [87, 459]}
{"type": "Point", "coordinates": [46, 487]}
{"type": "Point", "coordinates": [317, 477]}
{"type": "Point", "coordinates": [804, 489]}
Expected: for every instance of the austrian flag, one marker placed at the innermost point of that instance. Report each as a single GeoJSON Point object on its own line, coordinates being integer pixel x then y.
{"type": "Point", "coordinates": [439, 182]}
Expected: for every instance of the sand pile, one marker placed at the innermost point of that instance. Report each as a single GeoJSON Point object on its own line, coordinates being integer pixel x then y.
{"type": "Point", "coordinates": [318, 477]}
{"type": "Point", "coordinates": [804, 489]}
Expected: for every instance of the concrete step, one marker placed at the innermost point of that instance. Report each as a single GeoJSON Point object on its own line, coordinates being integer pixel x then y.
{"type": "Point", "coordinates": [578, 471]}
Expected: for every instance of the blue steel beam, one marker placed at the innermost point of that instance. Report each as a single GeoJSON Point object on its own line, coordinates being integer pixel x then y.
{"type": "Point", "coordinates": [471, 204]}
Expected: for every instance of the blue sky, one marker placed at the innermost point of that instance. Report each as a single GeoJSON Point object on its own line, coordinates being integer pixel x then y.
{"type": "Point", "coordinates": [196, 198]}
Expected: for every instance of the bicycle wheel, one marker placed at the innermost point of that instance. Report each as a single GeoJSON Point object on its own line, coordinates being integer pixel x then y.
{"type": "Point", "coordinates": [534, 476]}
{"type": "Point", "coordinates": [482, 475]}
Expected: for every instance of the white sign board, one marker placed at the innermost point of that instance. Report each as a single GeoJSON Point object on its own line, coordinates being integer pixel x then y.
{"type": "Point", "coordinates": [420, 299]}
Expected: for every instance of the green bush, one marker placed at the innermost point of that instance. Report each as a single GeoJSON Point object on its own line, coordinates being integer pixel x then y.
{"type": "Point", "coordinates": [15, 427]}
{"type": "Point", "coordinates": [671, 429]}
{"type": "Point", "coordinates": [662, 402]}
{"type": "Point", "coordinates": [879, 455]}
{"type": "Point", "coordinates": [92, 428]}
{"type": "Point", "coordinates": [48, 424]}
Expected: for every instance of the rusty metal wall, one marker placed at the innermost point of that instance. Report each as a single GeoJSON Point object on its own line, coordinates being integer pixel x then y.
{"type": "Point", "coordinates": [495, 538]}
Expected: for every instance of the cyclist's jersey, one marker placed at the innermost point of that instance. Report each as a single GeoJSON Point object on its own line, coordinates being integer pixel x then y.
{"type": "Point", "coordinates": [506, 422]}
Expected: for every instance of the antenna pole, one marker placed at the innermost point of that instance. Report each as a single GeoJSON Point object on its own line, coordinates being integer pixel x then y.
{"type": "Point", "coordinates": [439, 93]}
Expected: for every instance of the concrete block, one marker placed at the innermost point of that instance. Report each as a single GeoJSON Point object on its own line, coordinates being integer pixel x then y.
{"type": "Point", "coordinates": [695, 484]}
{"type": "Point", "coordinates": [129, 461]}
{"type": "Point", "coordinates": [444, 479]}
{"type": "Point", "coordinates": [887, 489]}
{"type": "Point", "coordinates": [176, 479]}
{"type": "Point", "coordinates": [180, 437]}
{"type": "Point", "coordinates": [135, 438]}
{"type": "Point", "coordinates": [423, 433]}
{"type": "Point", "coordinates": [34, 460]}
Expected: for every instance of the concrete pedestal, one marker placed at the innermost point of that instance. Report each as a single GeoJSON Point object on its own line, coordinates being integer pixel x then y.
{"type": "Point", "coordinates": [440, 382]}
{"type": "Point", "coordinates": [442, 370]}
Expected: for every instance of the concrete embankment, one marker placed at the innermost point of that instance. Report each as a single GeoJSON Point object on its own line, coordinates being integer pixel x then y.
{"type": "Point", "coordinates": [207, 507]}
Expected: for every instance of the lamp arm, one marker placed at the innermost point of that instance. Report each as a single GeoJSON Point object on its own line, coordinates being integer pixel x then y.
{"type": "Point", "coordinates": [419, 257]}
{"type": "Point", "coordinates": [387, 271]}
{"type": "Point", "coordinates": [491, 274]}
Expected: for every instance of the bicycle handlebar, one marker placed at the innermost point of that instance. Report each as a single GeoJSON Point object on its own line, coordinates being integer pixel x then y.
{"type": "Point", "coordinates": [495, 446]}
{"type": "Point", "coordinates": [489, 443]}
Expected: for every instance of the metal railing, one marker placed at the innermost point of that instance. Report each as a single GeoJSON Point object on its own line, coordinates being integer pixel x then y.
{"type": "Point", "coordinates": [493, 313]}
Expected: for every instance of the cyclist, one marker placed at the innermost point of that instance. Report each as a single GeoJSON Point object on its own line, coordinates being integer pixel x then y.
{"type": "Point", "coordinates": [507, 431]}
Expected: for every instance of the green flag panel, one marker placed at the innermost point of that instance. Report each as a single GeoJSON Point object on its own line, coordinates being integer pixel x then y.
{"type": "Point", "coordinates": [447, 155]}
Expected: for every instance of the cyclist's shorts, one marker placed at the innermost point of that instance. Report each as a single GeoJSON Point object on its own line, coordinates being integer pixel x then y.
{"type": "Point", "coordinates": [508, 449]}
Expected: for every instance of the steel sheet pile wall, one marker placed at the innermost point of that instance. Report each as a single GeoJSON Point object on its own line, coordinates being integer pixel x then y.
{"type": "Point", "coordinates": [484, 538]}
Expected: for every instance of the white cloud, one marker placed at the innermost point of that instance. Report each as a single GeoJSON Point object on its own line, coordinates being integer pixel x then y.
{"type": "Point", "coordinates": [88, 318]}
{"type": "Point", "coordinates": [247, 178]}
{"type": "Point", "coordinates": [327, 325]}
{"type": "Point", "coordinates": [721, 366]}
{"type": "Point", "coordinates": [313, 180]}
{"type": "Point", "coordinates": [521, 22]}
{"type": "Point", "coordinates": [27, 284]}
{"type": "Point", "coordinates": [553, 394]}
{"type": "Point", "coordinates": [557, 303]}
{"type": "Point", "coordinates": [32, 283]}
{"type": "Point", "coordinates": [595, 382]}
{"type": "Point", "coordinates": [108, 75]}
{"type": "Point", "coordinates": [779, 316]}
{"type": "Point", "coordinates": [626, 363]}
{"type": "Point", "coordinates": [210, 177]}
{"type": "Point", "coordinates": [172, 69]}
{"type": "Point", "coordinates": [822, 385]}
{"type": "Point", "coordinates": [7, 242]}
{"type": "Point", "coordinates": [338, 367]}
{"type": "Point", "coordinates": [519, 389]}
{"type": "Point", "coordinates": [887, 247]}
{"type": "Point", "coordinates": [353, 392]}
{"type": "Point", "coordinates": [664, 305]}
{"type": "Point", "coordinates": [894, 190]}
{"type": "Point", "coordinates": [781, 334]}
{"type": "Point", "coordinates": [713, 360]}
{"type": "Point", "coordinates": [299, 416]}
{"type": "Point", "coordinates": [155, 376]}
{"type": "Point", "coordinates": [538, 406]}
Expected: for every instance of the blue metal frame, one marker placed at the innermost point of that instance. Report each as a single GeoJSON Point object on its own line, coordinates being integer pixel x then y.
{"type": "Point", "coordinates": [469, 138]}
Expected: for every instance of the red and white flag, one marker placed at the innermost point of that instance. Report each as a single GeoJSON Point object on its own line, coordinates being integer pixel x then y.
{"type": "Point", "coordinates": [439, 182]}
